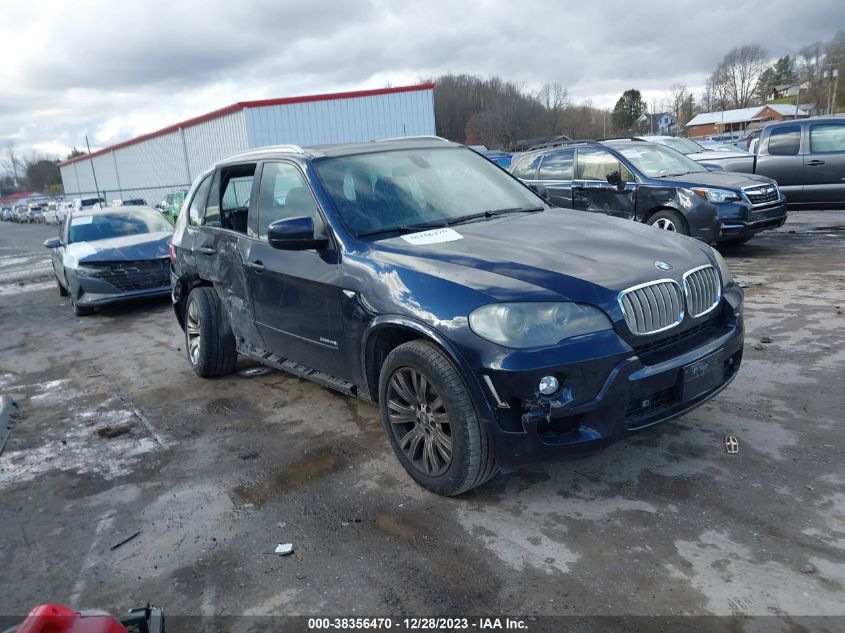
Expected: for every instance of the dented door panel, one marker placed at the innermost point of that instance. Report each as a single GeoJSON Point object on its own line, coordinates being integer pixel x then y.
{"type": "Point", "coordinates": [220, 256]}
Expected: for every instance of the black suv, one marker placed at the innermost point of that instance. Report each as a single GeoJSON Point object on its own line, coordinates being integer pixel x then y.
{"type": "Point", "coordinates": [491, 329]}
{"type": "Point", "coordinates": [654, 184]}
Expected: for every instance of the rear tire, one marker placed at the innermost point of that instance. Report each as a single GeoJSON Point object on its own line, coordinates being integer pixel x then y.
{"type": "Point", "coordinates": [209, 341]}
{"type": "Point", "coordinates": [431, 422]}
{"type": "Point", "coordinates": [670, 221]}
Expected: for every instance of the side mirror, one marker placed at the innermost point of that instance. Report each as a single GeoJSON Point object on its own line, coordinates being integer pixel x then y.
{"type": "Point", "coordinates": [540, 190]}
{"type": "Point", "coordinates": [615, 179]}
{"type": "Point", "coordinates": [53, 242]}
{"type": "Point", "coordinates": [295, 234]}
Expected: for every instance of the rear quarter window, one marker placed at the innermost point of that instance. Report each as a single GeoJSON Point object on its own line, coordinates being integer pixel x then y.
{"type": "Point", "coordinates": [526, 167]}
{"type": "Point", "coordinates": [785, 141]}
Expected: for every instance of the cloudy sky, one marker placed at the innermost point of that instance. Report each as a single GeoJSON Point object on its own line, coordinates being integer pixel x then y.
{"type": "Point", "coordinates": [113, 69]}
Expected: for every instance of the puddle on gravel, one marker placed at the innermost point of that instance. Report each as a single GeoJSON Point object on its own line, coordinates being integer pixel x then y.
{"type": "Point", "coordinates": [392, 526]}
{"type": "Point", "coordinates": [291, 476]}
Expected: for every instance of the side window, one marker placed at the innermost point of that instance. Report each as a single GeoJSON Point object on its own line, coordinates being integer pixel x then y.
{"type": "Point", "coordinates": [526, 168]}
{"type": "Point", "coordinates": [557, 165]}
{"type": "Point", "coordinates": [283, 193]}
{"type": "Point", "coordinates": [229, 198]}
{"type": "Point", "coordinates": [828, 137]}
{"type": "Point", "coordinates": [198, 202]}
{"type": "Point", "coordinates": [785, 141]}
{"type": "Point", "coordinates": [598, 164]}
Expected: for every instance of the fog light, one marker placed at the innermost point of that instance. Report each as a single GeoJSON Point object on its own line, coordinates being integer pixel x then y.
{"type": "Point", "coordinates": [548, 385]}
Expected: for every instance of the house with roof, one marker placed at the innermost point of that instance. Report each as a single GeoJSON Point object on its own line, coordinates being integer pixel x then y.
{"type": "Point", "coordinates": [660, 123]}
{"type": "Point", "coordinates": [742, 119]}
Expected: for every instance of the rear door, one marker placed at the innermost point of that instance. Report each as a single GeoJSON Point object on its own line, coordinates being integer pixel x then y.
{"type": "Point", "coordinates": [296, 294]}
{"type": "Point", "coordinates": [779, 157]}
{"type": "Point", "coordinates": [555, 173]}
{"type": "Point", "coordinates": [592, 192]}
{"type": "Point", "coordinates": [824, 163]}
{"type": "Point", "coordinates": [221, 246]}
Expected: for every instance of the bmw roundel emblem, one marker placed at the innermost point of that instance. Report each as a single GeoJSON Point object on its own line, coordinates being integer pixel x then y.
{"type": "Point", "coordinates": [663, 265]}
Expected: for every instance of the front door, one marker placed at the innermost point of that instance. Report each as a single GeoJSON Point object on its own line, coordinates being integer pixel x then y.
{"type": "Point", "coordinates": [296, 294]}
{"type": "Point", "coordinates": [592, 192]}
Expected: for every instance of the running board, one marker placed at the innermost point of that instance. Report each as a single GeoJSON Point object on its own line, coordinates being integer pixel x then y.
{"type": "Point", "coordinates": [301, 371]}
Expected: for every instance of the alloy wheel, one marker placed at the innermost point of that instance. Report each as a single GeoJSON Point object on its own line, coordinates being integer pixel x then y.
{"type": "Point", "coordinates": [666, 224]}
{"type": "Point", "coordinates": [419, 421]}
{"type": "Point", "coordinates": [192, 330]}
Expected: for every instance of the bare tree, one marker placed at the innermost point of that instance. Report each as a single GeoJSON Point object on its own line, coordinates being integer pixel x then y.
{"type": "Point", "coordinates": [811, 65]}
{"type": "Point", "coordinates": [11, 164]}
{"type": "Point", "coordinates": [681, 104]}
{"type": "Point", "coordinates": [734, 82]}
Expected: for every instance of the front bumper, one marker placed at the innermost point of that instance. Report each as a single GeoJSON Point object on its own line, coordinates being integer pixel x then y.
{"type": "Point", "coordinates": [604, 398]}
{"type": "Point", "coordinates": [90, 291]}
{"type": "Point", "coordinates": [740, 220]}
{"type": "Point", "coordinates": [88, 299]}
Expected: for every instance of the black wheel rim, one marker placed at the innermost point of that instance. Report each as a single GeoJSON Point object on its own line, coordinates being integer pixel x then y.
{"type": "Point", "coordinates": [419, 422]}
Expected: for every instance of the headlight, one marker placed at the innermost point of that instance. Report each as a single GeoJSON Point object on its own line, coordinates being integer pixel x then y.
{"type": "Point", "coordinates": [523, 325]}
{"type": "Point", "coordinates": [87, 271]}
{"type": "Point", "coordinates": [727, 277]}
{"type": "Point", "coordinates": [717, 195]}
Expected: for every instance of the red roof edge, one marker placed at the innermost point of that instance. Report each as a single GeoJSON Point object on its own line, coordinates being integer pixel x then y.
{"type": "Point", "coordinates": [243, 105]}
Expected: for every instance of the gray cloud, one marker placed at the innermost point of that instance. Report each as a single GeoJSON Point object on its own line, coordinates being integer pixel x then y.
{"type": "Point", "coordinates": [115, 69]}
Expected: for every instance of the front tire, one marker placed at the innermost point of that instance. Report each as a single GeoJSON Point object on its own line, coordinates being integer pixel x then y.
{"type": "Point", "coordinates": [79, 310]}
{"type": "Point", "coordinates": [670, 221]}
{"type": "Point", "coordinates": [431, 422]}
{"type": "Point", "coordinates": [209, 341]}
{"type": "Point", "coordinates": [62, 291]}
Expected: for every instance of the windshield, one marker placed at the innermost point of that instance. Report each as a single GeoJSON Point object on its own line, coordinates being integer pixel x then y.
{"type": "Point", "coordinates": [103, 226]}
{"type": "Point", "coordinates": [683, 145]}
{"type": "Point", "coordinates": [401, 190]}
{"type": "Point", "coordinates": [657, 161]}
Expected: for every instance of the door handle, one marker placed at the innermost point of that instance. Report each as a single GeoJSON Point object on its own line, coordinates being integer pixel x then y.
{"type": "Point", "coordinates": [814, 163]}
{"type": "Point", "coordinates": [256, 266]}
{"type": "Point", "coordinates": [206, 250]}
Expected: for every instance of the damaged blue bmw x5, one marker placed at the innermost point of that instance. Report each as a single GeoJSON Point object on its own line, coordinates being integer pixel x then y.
{"type": "Point", "coordinates": [491, 329]}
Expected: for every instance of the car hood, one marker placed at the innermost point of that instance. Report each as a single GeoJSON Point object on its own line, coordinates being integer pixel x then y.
{"type": "Point", "coordinates": [574, 254]}
{"type": "Point", "coordinates": [720, 179]}
{"type": "Point", "coordinates": [126, 248]}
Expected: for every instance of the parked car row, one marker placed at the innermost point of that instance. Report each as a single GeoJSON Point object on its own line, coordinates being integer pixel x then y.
{"type": "Point", "coordinates": [652, 183]}
{"type": "Point", "coordinates": [491, 322]}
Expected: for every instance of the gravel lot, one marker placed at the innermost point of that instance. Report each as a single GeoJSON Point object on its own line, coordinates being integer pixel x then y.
{"type": "Point", "coordinates": [117, 435]}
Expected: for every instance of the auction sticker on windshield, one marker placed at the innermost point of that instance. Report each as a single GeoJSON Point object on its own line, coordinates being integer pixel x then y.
{"type": "Point", "coordinates": [434, 236]}
{"type": "Point", "coordinates": [83, 219]}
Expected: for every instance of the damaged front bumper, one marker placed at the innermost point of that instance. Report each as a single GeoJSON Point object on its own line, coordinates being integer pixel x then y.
{"type": "Point", "coordinates": [739, 220]}
{"type": "Point", "coordinates": [604, 398]}
{"type": "Point", "coordinates": [90, 292]}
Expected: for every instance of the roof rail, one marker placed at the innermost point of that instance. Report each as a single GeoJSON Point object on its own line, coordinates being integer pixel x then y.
{"type": "Point", "coordinates": [247, 153]}
{"type": "Point", "coordinates": [415, 136]}
{"type": "Point", "coordinates": [583, 141]}
{"type": "Point", "coordinates": [296, 149]}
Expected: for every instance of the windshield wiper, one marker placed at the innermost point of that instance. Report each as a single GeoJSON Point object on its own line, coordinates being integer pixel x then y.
{"type": "Point", "coordinates": [493, 213]}
{"type": "Point", "coordinates": [405, 228]}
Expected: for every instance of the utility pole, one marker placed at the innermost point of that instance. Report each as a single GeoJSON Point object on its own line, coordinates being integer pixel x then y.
{"type": "Point", "coordinates": [93, 171]}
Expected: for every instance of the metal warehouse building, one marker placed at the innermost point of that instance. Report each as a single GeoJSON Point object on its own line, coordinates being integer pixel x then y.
{"type": "Point", "coordinates": [154, 164]}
